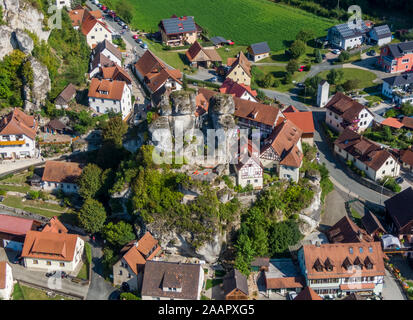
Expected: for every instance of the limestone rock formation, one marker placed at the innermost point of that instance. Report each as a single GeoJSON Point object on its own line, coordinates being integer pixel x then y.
{"type": "Point", "coordinates": [41, 85]}
{"type": "Point", "coordinates": [6, 46]}
{"type": "Point", "coordinates": [23, 42]}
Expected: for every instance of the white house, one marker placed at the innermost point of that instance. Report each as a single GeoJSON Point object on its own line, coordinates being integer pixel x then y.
{"type": "Point", "coordinates": [367, 156]}
{"type": "Point", "coordinates": [17, 135]}
{"type": "Point", "coordinates": [344, 37]}
{"type": "Point", "coordinates": [399, 88]}
{"type": "Point", "coordinates": [60, 4]}
{"type": "Point", "coordinates": [60, 175]}
{"type": "Point", "coordinates": [380, 35]}
{"type": "Point", "coordinates": [48, 250]}
{"type": "Point", "coordinates": [109, 50]}
{"type": "Point", "coordinates": [6, 281]}
{"type": "Point", "coordinates": [106, 95]}
{"type": "Point", "coordinates": [258, 51]}
{"type": "Point", "coordinates": [249, 172]}
{"type": "Point", "coordinates": [238, 90]}
{"type": "Point", "coordinates": [343, 112]}
{"type": "Point", "coordinates": [172, 281]}
{"type": "Point", "coordinates": [343, 268]}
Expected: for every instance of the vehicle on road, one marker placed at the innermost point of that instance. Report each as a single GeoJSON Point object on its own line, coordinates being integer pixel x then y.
{"type": "Point", "coordinates": [144, 46]}
{"type": "Point", "coordinates": [291, 295]}
{"type": "Point", "coordinates": [49, 274]}
{"type": "Point", "coordinates": [213, 79]}
{"type": "Point", "coordinates": [139, 41]}
{"type": "Point", "coordinates": [1, 198]}
{"type": "Point", "coordinates": [300, 85]}
{"type": "Point", "coordinates": [399, 180]}
{"type": "Point", "coordinates": [121, 23]}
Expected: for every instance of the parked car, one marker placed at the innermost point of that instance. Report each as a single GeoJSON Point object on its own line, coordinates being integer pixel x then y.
{"type": "Point", "coordinates": [336, 51]}
{"type": "Point", "coordinates": [125, 26]}
{"type": "Point", "coordinates": [116, 19]}
{"type": "Point", "coordinates": [300, 85]}
{"type": "Point", "coordinates": [49, 274]}
{"type": "Point", "coordinates": [399, 180]}
{"type": "Point", "coordinates": [106, 10]}
{"type": "Point", "coordinates": [371, 53]}
{"type": "Point", "coordinates": [100, 5]}
{"type": "Point", "coordinates": [301, 69]}
{"type": "Point", "coordinates": [1, 198]}
{"type": "Point", "coordinates": [135, 37]}
{"type": "Point", "coordinates": [230, 42]}
{"type": "Point", "coordinates": [291, 295]}
{"type": "Point", "coordinates": [213, 79]}
{"type": "Point", "coordinates": [144, 46]}
{"type": "Point", "coordinates": [121, 23]}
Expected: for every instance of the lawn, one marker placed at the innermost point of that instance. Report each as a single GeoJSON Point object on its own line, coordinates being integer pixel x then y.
{"type": "Point", "coordinates": [21, 292]}
{"type": "Point", "coordinates": [22, 189]}
{"type": "Point", "coordinates": [279, 73]}
{"type": "Point", "coordinates": [245, 22]}
{"type": "Point", "coordinates": [19, 178]}
{"type": "Point", "coordinates": [84, 272]}
{"type": "Point", "coordinates": [212, 283]}
{"type": "Point", "coordinates": [365, 77]}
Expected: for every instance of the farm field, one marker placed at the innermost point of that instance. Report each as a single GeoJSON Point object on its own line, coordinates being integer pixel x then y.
{"type": "Point", "coordinates": [245, 22]}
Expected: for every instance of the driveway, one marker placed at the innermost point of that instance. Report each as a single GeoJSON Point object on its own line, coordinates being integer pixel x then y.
{"type": "Point", "coordinates": [99, 289]}
{"type": "Point", "coordinates": [391, 290]}
{"type": "Point", "coordinates": [334, 209]}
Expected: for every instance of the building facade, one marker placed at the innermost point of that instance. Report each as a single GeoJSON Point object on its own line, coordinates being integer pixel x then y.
{"type": "Point", "coordinates": [399, 88]}
{"type": "Point", "coordinates": [6, 281]}
{"type": "Point", "coordinates": [397, 57]}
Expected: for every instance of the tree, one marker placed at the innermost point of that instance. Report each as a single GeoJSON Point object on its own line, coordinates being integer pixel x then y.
{"type": "Point", "coordinates": [114, 130]}
{"type": "Point", "coordinates": [351, 84]}
{"type": "Point", "coordinates": [118, 234]}
{"type": "Point", "coordinates": [305, 35]}
{"type": "Point", "coordinates": [90, 181]}
{"type": "Point", "coordinates": [287, 78]}
{"type": "Point", "coordinates": [297, 49]}
{"type": "Point", "coordinates": [334, 76]}
{"type": "Point", "coordinates": [407, 109]}
{"type": "Point", "coordinates": [344, 56]}
{"type": "Point", "coordinates": [92, 216]}
{"type": "Point", "coordinates": [282, 235]}
{"type": "Point", "coordinates": [128, 296]}
{"type": "Point", "coordinates": [292, 66]}
{"type": "Point", "coordinates": [124, 10]}
{"type": "Point", "coordinates": [267, 81]}
{"type": "Point", "coordinates": [318, 56]}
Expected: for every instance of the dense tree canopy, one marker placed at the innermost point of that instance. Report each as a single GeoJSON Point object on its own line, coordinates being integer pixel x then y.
{"type": "Point", "coordinates": [92, 216]}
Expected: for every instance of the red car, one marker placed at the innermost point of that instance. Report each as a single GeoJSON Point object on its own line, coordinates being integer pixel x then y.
{"type": "Point", "coordinates": [103, 8]}
{"type": "Point", "coordinates": [135, 37]}
{"type": "Point", "coordinates": [230, 42]}
{"type": "Point", "coordinates": [301, 69]}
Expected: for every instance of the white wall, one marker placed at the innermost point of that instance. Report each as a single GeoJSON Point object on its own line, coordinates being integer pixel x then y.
{"type": "Point", "coordinates": [289, 173]}
{"type": "Point", "coordinates": [27, 149]}
{"type": "Point", "coordinates": [8, 288]}
{"type": "Point", "coordinates": [54, 186]}
{"type": "Point", "coordinates": [98, 34]}
{"type": "Point", "coordinates": [69, 266]}
{"type": "Point", "coordinates": [123, 106]}
{"type": "Point", "coordinates": [60, 4]}
{"type": "Point", "coordinates": [366, 120]}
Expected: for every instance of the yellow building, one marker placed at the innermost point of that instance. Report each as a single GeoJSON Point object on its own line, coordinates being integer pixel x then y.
{"type": "Point", "coordinates": [240, 69]}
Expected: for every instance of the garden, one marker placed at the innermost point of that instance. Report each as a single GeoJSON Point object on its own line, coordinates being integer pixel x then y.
{"type": "Point", "coordinates": [22, 292]}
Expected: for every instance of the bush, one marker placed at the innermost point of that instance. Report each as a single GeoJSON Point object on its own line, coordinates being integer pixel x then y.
{"type": "Point", "coordinates": [128, 296]}
{"type": "Point", "coordinates": [33, 195]}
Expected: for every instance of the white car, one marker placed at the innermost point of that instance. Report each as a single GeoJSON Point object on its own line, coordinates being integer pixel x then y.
{"type": "Point", "coordinates": [291, 295]}
{"type": "Point", "coordinates": [336, 51]}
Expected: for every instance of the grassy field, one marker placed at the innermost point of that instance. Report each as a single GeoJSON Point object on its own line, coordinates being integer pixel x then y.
{"type": "Point", "coordinates": [245, 22]}
{"type": "Point", "coordinates": [279, 73]}
{"type": "Point", "coordinates": [84, 272]}
{"type": "Point", "coordinates": [212, 283]}
{"type": "Point", "coordinates": [21, 292]}
{"type": "Point", "coordinates": [365, 77]}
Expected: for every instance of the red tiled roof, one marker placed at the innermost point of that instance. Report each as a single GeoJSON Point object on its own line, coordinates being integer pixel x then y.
{"type": "Point", "coordinates": [236, 89]}
{"type": "Point", "coordinates": [14, 225]}
{"type": "Point", "coordinates": [283, 283]}
{"type": "Point", "coordinates": [357, 286]}
{"type": "Point", "coordinates": [392, 122]}
{"type": "Point", "coordinates": [116, 73]}
{"type": "Point", "coordinates": [209, 54]}
{"type": "Point", "coordinates": [17, 122]}
{"type": "Point", "coordinates": [407, 122]}
{"type": "Point", "coordinates": [337, 254]}
{"type": "Point", "coordinates": [114, 89]}
{"type": "Point", "coordinates": [344, 106]}
{"type": "Point", "coordinates": [54, 225]}
{"type": "Point", "coordinates": [303, 120]}
{"type": "Point", "coordinates": [290, 109]}
{"type": "Point", "coordinates": [255, 111]}
{"type": "Point", "coordinates": [49, 245]}
{"type": "Point", "coordinates": [406, 156]}
{"type": "Point", "coordinates": [89, 22]}
{"type": "Point", "coordinates": [242, 61]}
{"type": "Point", "coordinates": [308, 294]}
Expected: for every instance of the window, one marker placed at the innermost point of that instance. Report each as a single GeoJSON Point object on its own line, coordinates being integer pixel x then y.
{"type": "Point", "coordinates": [49, 263]}
{"type": "Point", "coordinates": [35, 261]}
{"type": "Point", "coordinates": [120, 272]}
{"type": "Point", "coordinates": [383, 172]}
{"type": "Point", "coordinates": [92, 37]}
{"type": "Point", "coordinates": [62, 264]}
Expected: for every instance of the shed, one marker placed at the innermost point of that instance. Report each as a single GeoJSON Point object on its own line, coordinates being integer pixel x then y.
{"type": "Point", "coordinates": [235, 286]}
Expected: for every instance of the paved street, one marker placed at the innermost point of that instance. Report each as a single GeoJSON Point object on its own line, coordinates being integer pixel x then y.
{"type": "Point", "coordinates": [99, 288]}
{"type": "Point", "coordinates": [391, 291]}
{"type": "Point", "coordinates": [334, 209]}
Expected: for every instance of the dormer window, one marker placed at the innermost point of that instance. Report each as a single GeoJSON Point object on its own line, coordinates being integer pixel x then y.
{"type": "Point", "coordinates": [318, 266]}
{"type": "Point", "coordinates": [328, 265]}
{"type": "Point", "coordinates": [347, 264]}
{"type": "Point", "coordinates": [368, 263]}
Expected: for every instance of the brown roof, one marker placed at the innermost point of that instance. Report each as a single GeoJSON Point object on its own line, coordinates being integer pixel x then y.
{"type": "Point", "coordinates": [3, 274]}
{"type": "Point", "coordinates": [56, 124]}
{"type": "Point", "coordinates": [89, 22]}
{"type": "Point", "coordinates": [15, 225]}
{"type": "Point", "coordinates": [100, 60]}
{"type": "Point", "coordinates": [366, 151]}
{"type": "Point", "coordinates": [371, 223]}
{"type": "Point", "coordinates": [55, 226]}
{"type": "Point", "coordinates": [202, 104]}
{"type": "Point", "coordinates": [141, 251]}
{"type": "Point", "coordinates": [60, 171]}
{"type": "Point", "coordinates": [408, 122]}
{"type": "Point", "coordinates": [285, 282]}
{"type": "Point", "coordinates": [303, 120]}
{"type": "Point", "coordinates": [260, 262]}
{"type": "Point", "coordinates": [67, 94]}
{"type": "Point", "coordinates": [114, 89]}
{"type": "Point", "coordinates": [49, 245]}
{"type": "Point", "coordinates": [76, 16]}
{"type": "Point", "coordinates": [346, 231]}
{"type": "Point", "coordinates": [290, 109]}
{"type": "Point", "coordinates": [106, 44]}
{"type": "Point", "coordinates": [155, 72]}
{"type": "Point", "coordinates": [97, 14]}
{"type": "Point", "coordinates": [242, 61]}
{"type": "Point", "coordinates": [116, 73]}
{"type": "Point", "coordinates": [406, 156]}
{"type": "Point", "coordinates": [338, 254]}
{"type": "Point", "coordinates": [236, 89]}
{"type": "Point", "coordinates": [308, 294]}
{"type": "Point", "coordinates": [392, 122]}
{"type": "Point", "coordinates": [255, 111]}
{"type": "Point", "coordinates": [160, 274]}
{"type": "Point", "coordinates": [17, 122]}
{"type": "Point", "coordinates": [400, 208]}
{"type": "Point", "coordinates": [284, 141]}
{"type": "Point", "coordinates": [344, 106]}
{"type": "Point", "coordinates": [235, 280]}
{"type": "Point", "coordinates": [209, 54]}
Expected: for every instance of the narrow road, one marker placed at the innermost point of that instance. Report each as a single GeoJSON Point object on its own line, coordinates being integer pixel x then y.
{"type": "Point", "coordinates": [99, 289]}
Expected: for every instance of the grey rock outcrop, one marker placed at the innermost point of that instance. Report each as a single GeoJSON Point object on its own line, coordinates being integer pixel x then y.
{"type": "Point", "coordinates": [21, 15]}
{"type": "Point", "coordinates": [223, 104]}
{"type": "Point", "coordinates": [6, 45]}
{"type": "Point", "coordinates": [41, 85]}
{"type": "Point", "coordinates": [183, 103]}
{"type": "Point", "coordinates": [23, 42]}
{"type": "Point", "coordinates": [11, 39]}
